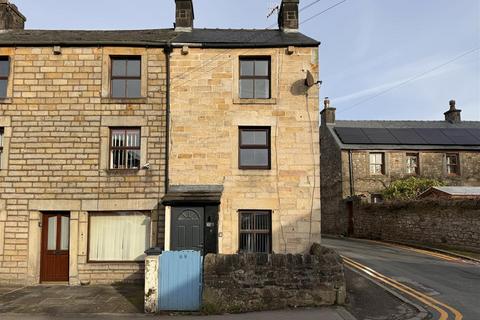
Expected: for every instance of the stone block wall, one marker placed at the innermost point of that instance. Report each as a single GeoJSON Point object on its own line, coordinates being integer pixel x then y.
{"type": "Point", "coordinates": [250, 282]}
{"type": "Point", "coordinates": [56, 117]}
{"type": "Point", "coordinates": [432, 165]}
{"type": "Point", "coordinates": [454, 224]}
{"type": "Point", "coordinates": [205, 115]}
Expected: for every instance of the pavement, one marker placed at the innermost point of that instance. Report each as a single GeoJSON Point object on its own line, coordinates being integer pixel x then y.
{"type": "Point", "coordinates": [304, 314]}
{"type": "Point", "coordinates": [367, 300]}
{"type": "Point", "coordinates": [118, 302]}
{"type": "Point", "coordinates": [440, 284]}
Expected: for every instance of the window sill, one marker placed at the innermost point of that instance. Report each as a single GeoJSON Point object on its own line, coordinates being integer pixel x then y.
{"type": "Point", "coordinates": [5, 100]}
{"type": "Point", "coordinates": [254, 101]}
{"type": "Point", "coordinates": [115, 262]}
{"type": "Point", "coordinates": [124, 172]}
{"type": "Point", "coordinates": [108, 100]}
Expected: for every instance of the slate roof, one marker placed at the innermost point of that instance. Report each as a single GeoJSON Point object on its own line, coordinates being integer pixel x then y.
{"type": "Point", "coordinates": [188, 194]}
{"type": "Point", "coordinates": [156, 37]}
{"type": "Point", "coordinates": [406, 135]}
{"type": "Point", "coordinates": [244, 37]}
{"type": "Point", "coordinates": [454, 191]}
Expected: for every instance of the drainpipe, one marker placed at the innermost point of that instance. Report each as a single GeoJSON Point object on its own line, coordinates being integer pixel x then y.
{"type": "Point", "coordinates": [167, 50]}
{"type": "Point", "coordinates": [350, 171]}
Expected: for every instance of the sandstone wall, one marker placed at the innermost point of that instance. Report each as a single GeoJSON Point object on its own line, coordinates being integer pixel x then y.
{"type": "Point", "coordinates": [454, 224]}
{"type": "Point", "coordinates": [432, 165]}
{"type": "Point", "coordinates": [56, 118]}
{"type": "Point", "coordinates": [205, 116]}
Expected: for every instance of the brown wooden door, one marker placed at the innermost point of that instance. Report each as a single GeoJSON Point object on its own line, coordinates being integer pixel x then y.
{"type": "Point", "coordinates": [55, 247]}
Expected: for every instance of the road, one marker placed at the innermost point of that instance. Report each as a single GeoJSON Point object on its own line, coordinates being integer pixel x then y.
{"type": "Point", "coordinates": [441, 284]}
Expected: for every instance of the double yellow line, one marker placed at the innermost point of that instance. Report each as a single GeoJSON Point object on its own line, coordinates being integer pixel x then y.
{"type": "Point", "coordinates": [440, 307]}
{"type": "Point", "coordinates": [421, 251]}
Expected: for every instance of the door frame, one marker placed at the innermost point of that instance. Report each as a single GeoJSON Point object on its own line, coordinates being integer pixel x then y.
{"type": "Point", "coordinates": [210, 224]}
{"type": "Point", "coordinates": [44, 242]}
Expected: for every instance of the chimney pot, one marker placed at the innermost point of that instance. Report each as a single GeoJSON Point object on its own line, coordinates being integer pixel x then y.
{"type": "Point", "coordinates": [10, 17]}
{"type": "Point", "coordinates": [326, 103]}
{"type": "Point", "coordinates": [184, 15]}
{"type": "Point", "coordinates": [328, 113]}
{"type": "Point", "coordinates": [288, 16]}
{"type": "Point", "coordinates": [453, 115]}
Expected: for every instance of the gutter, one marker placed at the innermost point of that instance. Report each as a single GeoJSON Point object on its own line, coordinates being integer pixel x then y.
{"type": "Point", "coordinates": [350, 171]}
{"type": "Point", "coordinates": [167, 50]}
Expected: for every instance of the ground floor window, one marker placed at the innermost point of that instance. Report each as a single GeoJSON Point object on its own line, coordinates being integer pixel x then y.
{"type": "Point", "coordinates": [118, 236]}
{"type": "Point", "coordinates": [255, 231]}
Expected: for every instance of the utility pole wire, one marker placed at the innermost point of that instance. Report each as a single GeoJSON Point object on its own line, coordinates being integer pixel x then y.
{"type": "Point", "coordinates": [331, 7]}
{"type": "Point", "coordinates": [416, 77]}
{"type": "Point", "coordinates": [256, 35]}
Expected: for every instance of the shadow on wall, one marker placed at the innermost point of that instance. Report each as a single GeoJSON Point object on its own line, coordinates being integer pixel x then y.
{"type": "Point", "coordinates": [299, 88]}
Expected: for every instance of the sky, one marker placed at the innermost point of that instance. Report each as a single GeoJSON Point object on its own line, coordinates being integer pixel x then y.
{"type": "Point", "coordinates": [379, 59]}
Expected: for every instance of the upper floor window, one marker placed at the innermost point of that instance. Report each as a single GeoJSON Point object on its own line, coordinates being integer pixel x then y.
{"type": "Point", "coordinates": [125, 148]}
{"type": "Point", "coordinates": [453, 164]}
{"type": "Point", "coordinates": [412, 163]}
{"type": "Point", "coordinates": [126, 77]}
{"type": "Point", "coordinates": [1, 146]}
{"type": "Point", "coordinates": [255, 78]}
{"type": "Point", "coordinates": [254, 148]}
{"type": "Point", "coordinates": [4, 73]}
{"type": "Point", "coordinates": [255, 231]}
{"type": "Point", "coordinates": [377, 163]}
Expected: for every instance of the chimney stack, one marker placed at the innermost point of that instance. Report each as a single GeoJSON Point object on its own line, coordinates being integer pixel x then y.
{"type": "Point", "coordinates": [288, 16]}
{"type": "Point", "coordinates": [183, 15]}
{"type": "Point", "coordinates": [453, 115]}
{"type": "Point", "coordinates": [328, 113]}
{"type": "Point", "coordinates": [10, 17]}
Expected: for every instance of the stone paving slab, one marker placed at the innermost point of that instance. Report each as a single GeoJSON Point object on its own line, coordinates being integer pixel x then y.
{"type": "Point", "coordinates": [59, 300]}
{"type": "Point", "coordinates": [331, 313]}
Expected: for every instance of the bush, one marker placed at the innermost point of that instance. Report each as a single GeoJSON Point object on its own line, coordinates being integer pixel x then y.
{"type": "Point", "coordinates": [410, 188]}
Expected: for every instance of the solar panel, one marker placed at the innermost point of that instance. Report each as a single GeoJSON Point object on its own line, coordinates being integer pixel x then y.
{"type": "Point", "coordinates": [407, 136]}
{"type": "Point", "coordinates": [352, 135]}
{"type": "Point", "coordinates": [380, 136]}
{"type": "Point", "coordinates": [410, 136]}
{"type": "Point", "coordinates": [434, 136]}
{"type": "Point", "coordinates": [461, 137]}
{"type": "Point", "coordinates": [474, 132]}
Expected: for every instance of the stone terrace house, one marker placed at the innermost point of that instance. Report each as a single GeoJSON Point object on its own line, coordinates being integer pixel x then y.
{"type": "Point", "coordinates": [112, 142]}
{"type": "Point", "coordinates": [361, 158]}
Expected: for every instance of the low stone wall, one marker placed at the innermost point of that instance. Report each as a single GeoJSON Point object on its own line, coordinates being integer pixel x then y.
{"type": "Point", "coordinates": [449, 224]}
{"type": "Point", "coordinates": [252, 282]}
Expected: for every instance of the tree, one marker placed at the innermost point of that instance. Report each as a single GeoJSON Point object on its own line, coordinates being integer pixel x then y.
{"type": "Point", "coordinates": [409, 188]}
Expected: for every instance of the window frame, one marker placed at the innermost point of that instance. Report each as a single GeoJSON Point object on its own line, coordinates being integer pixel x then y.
{"type": "Point", "coordinates": [113, 213]}
{"type": "Point", "coordinates": [7, 77]}
{"type": "Point", "coordinates": [456, 165]}
{"type": "Point", "coordinates": [126, 78]}
{"type": "Point", "coordinates": [111, 148]}
{"type": "Point", "coordinates": [254, 77]}
{"type": "Point", "coordinates": [254, 231]}
{"type": "Point", "coordinates": [267, 146]}
{"type": "Point", "coordinates": [417, 168]}
{"type": "Point", "coordinates": [383, 167]}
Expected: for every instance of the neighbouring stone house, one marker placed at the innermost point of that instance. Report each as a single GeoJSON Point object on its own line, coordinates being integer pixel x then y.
{"type": "Point", "coordinates": [112, 142]}
{"type": "Point", "coordinates": [361, 158]}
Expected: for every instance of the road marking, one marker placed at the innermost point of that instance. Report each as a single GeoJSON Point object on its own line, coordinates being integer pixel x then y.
{"type": "Point", "coordinates": [429, 301]}
{"type": "Point", "coordinates": [422, 251]}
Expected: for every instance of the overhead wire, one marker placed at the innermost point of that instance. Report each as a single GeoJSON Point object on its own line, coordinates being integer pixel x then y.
{"type": "Point", "coordinates": [207, 62]}
{"type": "Point", "coordinates": [246, 51]}
{"type": "Point", "coordinates": [416, 77]}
